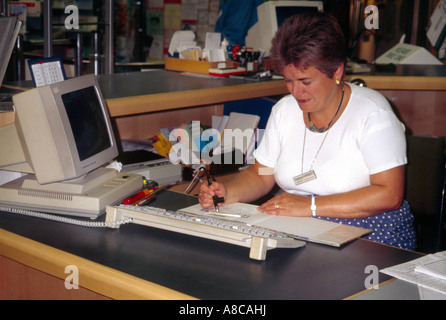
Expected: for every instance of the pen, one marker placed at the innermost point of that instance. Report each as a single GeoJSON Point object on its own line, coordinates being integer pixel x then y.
{"type": "Point", "coordinates": [151, 196]}
{"type": "Point", "coordinates": [146, 200]}
{"type": "Point", "coordinates": [216, 199]}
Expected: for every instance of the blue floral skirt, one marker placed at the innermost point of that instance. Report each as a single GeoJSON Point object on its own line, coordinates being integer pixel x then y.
{"type": "Point", "coordinates": [394, 228]}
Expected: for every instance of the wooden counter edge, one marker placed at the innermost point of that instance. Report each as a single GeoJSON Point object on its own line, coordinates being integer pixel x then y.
{"type": "Point", "coordinates": [93, 276]}
{"type": "Point", "coordinates": [183, 99]}
{"type": "Point", "coordinates": [193, 98]}
{"type": "Point", "coordinates": [368, 290]}
{"type": "Point", "coordinates": [385, 82]}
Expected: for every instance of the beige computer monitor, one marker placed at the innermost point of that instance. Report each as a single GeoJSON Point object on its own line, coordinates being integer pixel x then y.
{"type": "Point", "coordinates": [271, 15]}
{"type": "Point", "coordinates": [62, 137]}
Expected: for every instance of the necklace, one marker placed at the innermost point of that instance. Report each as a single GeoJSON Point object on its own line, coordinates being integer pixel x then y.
{"type": "Point", "coordinates": [321, 130]}
{"type": "Point", "coordinates": [311, 175]}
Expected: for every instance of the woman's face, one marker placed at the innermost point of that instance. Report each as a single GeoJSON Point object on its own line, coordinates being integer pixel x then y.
{"type": "Point", "coordinates": [312, 89]}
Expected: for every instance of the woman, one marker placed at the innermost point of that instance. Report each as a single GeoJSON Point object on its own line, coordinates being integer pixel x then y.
{"type": "Point", "coordinates": [336, 150]}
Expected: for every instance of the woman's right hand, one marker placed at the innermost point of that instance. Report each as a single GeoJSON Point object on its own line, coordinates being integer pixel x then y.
{"type": "Point", "coordinates": [207, 192]}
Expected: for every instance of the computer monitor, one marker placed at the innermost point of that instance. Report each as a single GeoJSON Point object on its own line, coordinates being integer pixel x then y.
{"type": "Point", "coordinates": [62, 137]}
{"type": "Point", "coordinates": [271, 15]}
{"type": "Point", "coordinates": [9, 29]}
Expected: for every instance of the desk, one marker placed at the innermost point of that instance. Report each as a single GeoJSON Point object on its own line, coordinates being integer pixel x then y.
{"type": "Point", "coordinates": [406, 77]}
{"type": "Point", "coordinates": [143, 102]}
{"type": "Point", "coordinates": [417, 94]}
{"type": "Point", "coordinates": [142, 262]}
{"type": "Point", "coordinates": [160, 90]}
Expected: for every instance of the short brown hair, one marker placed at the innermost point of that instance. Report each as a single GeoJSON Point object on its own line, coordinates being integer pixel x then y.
{"type": "Point", "coordinates": [309, 39]}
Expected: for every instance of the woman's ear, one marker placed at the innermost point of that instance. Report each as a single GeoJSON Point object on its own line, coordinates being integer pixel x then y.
{"type": "Point", "coordinates": [339, 73]}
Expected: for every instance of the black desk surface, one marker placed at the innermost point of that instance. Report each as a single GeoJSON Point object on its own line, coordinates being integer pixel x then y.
{"type": "Point", "coordinates": [209, 269]}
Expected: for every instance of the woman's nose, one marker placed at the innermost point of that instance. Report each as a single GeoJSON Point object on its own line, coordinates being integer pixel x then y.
{"type": "Point", "coordinates": [295, 88]}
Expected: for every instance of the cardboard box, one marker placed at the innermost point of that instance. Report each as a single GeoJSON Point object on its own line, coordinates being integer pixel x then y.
{"type": "Point", "coordinates": [202, 67]}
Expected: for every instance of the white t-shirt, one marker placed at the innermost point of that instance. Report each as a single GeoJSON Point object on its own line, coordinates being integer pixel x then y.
{"type": "Point", "coordinates": [367, 139]}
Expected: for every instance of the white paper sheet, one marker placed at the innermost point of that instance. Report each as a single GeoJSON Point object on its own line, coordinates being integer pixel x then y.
{"type": "Point", "coordinates": [410, 271]}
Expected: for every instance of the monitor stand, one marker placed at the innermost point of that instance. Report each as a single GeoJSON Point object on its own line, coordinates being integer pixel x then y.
{"type": "Point", "coordinates": [87, 196]}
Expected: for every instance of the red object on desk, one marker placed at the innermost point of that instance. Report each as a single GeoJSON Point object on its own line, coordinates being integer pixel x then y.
{"type": "Point", "coordinates": [136, 197]}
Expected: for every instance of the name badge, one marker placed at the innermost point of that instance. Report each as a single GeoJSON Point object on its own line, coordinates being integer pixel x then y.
{"type": "Point", "coordinates": [305, 177]}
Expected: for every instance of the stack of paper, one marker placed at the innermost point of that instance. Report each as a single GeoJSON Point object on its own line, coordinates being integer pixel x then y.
{"type": "Point", "coordinates": [428, 272]}
{"type": "Point", "coordinates": [437, 25]}
{"type": "Point", "coordinates": [436, 269]}
{"type": "Point", "coordinates": [183, 42]}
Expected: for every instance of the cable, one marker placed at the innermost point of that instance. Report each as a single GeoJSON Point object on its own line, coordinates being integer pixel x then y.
{"type": "Point", "coordinates": [195, 176]}
{"type": "Point", "coordinates": [90, 224]}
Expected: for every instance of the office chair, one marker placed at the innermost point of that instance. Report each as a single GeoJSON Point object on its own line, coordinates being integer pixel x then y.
{"type": "Point", "coordinates": [425, 190]}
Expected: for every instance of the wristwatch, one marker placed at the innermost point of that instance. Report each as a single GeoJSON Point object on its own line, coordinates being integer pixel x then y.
{"type": "Point", "coordinates": [313, 206]}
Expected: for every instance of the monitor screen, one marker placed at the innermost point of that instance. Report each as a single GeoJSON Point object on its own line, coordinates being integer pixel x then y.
{"type": "Point", "coordinates": [87, 122]}
{"type": "Point", "coordinates": [9, 30]}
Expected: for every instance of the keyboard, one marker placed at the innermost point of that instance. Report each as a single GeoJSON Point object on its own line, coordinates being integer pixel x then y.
{"type": "Point", "coordinates": [6, 106]}
{"type": "Point", "coordinates": [6, 97]}
{"type": "Point", "coordinates": [258, 239]}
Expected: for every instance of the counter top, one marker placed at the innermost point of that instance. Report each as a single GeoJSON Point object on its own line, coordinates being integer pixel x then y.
{"type": "Point", "coordinates": [136, 261]}
{"type": "Point", "coordinates": [144, 92]}
{"type": "Point", "coordinates": [141, 92]}
{"type": "Point", "coordinates": [158, 90]}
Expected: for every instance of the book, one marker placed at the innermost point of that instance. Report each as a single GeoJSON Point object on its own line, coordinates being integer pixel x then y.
{"type": "Point", "coordinates": [226, 72]}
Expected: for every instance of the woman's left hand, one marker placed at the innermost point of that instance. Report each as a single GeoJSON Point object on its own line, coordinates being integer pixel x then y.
{"type": "Point", "coordinates": [287, 204]}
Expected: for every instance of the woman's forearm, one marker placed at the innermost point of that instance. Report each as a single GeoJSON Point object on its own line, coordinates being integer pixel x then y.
{"type": "Point", "coordinates": [385, 193]}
